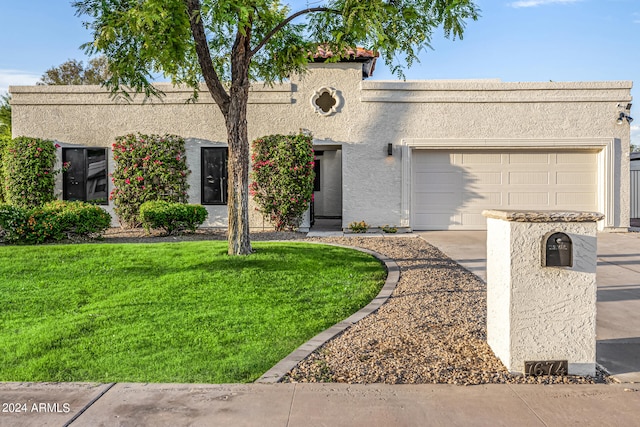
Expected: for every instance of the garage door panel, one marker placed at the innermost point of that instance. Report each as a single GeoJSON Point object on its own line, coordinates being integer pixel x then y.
{"type": "Point", "coordinates": [494, 198]}
{"type": "Point", "coordinates": [584, 158]}
{"type": "Point", "coordinates": [528, 200]}
{"type": "Point", "coordinates": [451, 189]}
{"type": "Point", "coordinates": [575, 178]}
{"type": "Point", "coordinates": [481, 158]}
{"type": "Point", "coordinates": [428, 202]}
{"type": "Point", "coordinates": [432, 191]}
{"type": "Point", "coordinates": [427, 180]}
{"type": "Point", "coordinates": [528, 158]}
{"type": "Point", "coordinates": [473, 219]}
{"type": "Point", "coordinates": [443, 199]}
{"type": "Point", "coordinates": [576, 200]}
{"type": "Point", "coordinates": [529, 178]}
{"type": "Point", "coordinates": [433, 158]}
{"type": "Point", "coordinates": [483, 178]}
{"type": "Point", "coordinates": [439, 221]}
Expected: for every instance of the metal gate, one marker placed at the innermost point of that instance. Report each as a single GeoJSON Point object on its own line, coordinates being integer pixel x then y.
{"type": "Point", "coordinates": [635, 194]}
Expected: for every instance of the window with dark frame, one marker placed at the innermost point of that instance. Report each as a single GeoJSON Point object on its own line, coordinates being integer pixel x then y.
{"type": "Point", "coordinates": [316, 180]}
{"type": "Point", "coordinates": [214, 175]}
{"type": "Point", "coordinates": [86, 175]}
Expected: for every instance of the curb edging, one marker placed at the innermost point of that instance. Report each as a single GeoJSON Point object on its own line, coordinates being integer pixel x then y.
{"type": "Point", "coordinates": [275, 374]}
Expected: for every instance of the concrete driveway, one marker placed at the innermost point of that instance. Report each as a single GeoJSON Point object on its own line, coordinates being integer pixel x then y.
{"type": "Point", "coordinates": [618, 278]}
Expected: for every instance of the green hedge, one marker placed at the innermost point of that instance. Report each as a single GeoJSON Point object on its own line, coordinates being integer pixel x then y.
{"type": "Point", "coordinates": [12, 222]}
{"type": "Point", "coordinates": [4, 141]}
{"type": "Point", "coordinates": [29, 174]}
{"type": "Point", "coordinates": [53, 221]}
{"type": "Point", "coordinates": [171, 217]}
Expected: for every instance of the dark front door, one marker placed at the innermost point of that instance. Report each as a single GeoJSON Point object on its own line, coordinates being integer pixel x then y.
{"type": "Point", "coordinates": [96, 190]}
{"type": "Point", "coordinates": [74, 179]}
{"type": "Point", "coordinates": [214, 176]}
{"type": "Point", "coordinates": [86, 177]}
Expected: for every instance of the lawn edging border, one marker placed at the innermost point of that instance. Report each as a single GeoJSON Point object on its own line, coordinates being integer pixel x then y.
{"type": "Point", "coordinates": [277, 373]}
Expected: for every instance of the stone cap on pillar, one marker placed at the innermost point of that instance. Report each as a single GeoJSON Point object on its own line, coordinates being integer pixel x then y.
{"type": "Point", "coordinates": [543, 216]}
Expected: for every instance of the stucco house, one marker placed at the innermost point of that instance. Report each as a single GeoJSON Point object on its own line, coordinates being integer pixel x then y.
{"type": "Point", "coordinates": [420, 155]}
{"type": "Point", "coordinates": [634, 188]}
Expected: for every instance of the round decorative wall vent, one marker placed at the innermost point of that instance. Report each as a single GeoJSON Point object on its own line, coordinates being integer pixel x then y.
{"type": "Point", "coordinates": [326, 101]}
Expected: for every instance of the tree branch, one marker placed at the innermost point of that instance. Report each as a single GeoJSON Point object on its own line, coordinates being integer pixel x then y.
{"type": "Point", "coordinates": [211, 78]}
{"type": "Point", "coordinates": [286, 21]}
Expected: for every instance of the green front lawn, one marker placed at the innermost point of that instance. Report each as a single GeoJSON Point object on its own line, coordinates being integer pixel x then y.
{"type": "Point", "coordinates": [170, 312]}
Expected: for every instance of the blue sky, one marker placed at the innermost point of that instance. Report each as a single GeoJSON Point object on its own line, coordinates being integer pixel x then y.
{"type": "Point", "coordinates": [526, 40]}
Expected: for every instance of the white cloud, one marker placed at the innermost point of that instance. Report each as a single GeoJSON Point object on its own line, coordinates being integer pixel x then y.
{"type": "Point", "coordinates": [535, 3]}
{"type": "Point", "coordinates": [16, 78]}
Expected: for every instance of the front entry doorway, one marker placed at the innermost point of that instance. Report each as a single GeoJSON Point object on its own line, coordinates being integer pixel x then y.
{"type": "Point", "coordinates": [327, 204]}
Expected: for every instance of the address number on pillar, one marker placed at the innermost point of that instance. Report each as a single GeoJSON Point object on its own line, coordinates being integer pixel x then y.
{"type": "Point", "coordinates": [546, 367]}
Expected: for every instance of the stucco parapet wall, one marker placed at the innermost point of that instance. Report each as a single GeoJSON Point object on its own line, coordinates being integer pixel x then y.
{"type": "Point", "coordinates": [259, 93]}
{"type": "Point", "coordinates": [479, 91]}
{"type": "Point", "coordinates": [543, 216]}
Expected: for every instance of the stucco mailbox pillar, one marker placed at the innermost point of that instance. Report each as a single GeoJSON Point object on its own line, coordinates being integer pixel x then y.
{"type": "Point", "coordinates": [541, 290]}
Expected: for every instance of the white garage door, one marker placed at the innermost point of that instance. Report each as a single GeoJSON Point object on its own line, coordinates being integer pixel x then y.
{"type": "Point", "coordinates": [452, 188]}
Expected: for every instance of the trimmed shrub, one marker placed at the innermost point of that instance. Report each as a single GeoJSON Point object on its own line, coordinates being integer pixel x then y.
{"type": "Point", "coordinates": [54, 221]}
{"type": "Point", "coordinates": [12, 222]}
{"type": "Point", "coordinates": [358, 227]}
{"type": "Point", "coordinates": [171, 217]}
{"type": "Point", "coordinates": [147, 168]}
{"type": "Point", "coordinates": [4, 141]}
{"type": "Point", "coordinates": [29, 175]}
{"type": "Point", "coordinates": [283, 175]}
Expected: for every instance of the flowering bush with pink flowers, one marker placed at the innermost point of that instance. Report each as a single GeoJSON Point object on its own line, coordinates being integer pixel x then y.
{"type": "Point", "coordinates": [147, 168]}
{"type": "Point", "coordinates": [29, 171]}
{"type": "Point", "coordinates": [282, 178]}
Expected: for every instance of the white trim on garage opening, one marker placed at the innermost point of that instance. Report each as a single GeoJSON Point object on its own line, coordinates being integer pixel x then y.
{"type": "Point", "coordinates": [604, 146]}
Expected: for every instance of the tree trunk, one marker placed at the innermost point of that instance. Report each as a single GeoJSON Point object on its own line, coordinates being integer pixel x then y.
{"type": "Point", "coordinates": [236, 122]}
{"type": "Point", "coordinates": [238, 167]}
{"type": "Point", "coordinates": [234, 109]}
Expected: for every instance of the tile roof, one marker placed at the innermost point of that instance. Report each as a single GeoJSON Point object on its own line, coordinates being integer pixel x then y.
{"type": "Point", "coordinates": [358, 54]}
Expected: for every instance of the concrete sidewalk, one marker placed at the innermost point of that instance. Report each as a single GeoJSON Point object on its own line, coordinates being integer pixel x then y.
{"type": "Point", "coordinates": [290, 405]}
{"type": "Point", "coordinates": [618, 278]}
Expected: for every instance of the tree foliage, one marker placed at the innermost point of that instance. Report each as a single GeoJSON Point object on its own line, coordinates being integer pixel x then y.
{"type": "Point", "coordinates": [73, 72]}
{"type": "Point", "coordinates": [228, 43]}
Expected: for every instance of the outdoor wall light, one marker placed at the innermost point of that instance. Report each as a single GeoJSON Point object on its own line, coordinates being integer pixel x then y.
{"type": "Point", "coordinates": [389, 149]}
{"type": "Point", "coordinates": [622, 117]}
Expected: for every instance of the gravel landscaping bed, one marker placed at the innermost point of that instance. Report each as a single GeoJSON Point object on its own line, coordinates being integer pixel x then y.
{"type": "Point", "coordinates": [431, 330]}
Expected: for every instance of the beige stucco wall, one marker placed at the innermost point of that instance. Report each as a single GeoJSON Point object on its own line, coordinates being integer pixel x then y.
{"type": "Point", "coordinates": [372, 114]}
